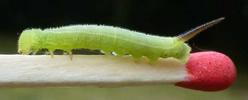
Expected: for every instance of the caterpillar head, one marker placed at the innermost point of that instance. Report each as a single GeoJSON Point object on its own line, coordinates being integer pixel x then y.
{"type": "Point", "coordinates": [28, 41]}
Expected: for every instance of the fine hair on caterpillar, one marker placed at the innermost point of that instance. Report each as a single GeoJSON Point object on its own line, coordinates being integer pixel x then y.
{"type": "Point", "coordinates": [109, 39]}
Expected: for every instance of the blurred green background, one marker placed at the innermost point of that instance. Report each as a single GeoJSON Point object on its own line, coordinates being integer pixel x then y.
{"type": "Point", "coordinates": [159, 17]}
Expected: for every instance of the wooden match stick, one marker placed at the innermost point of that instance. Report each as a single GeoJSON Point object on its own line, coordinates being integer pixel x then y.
{"type": "Point", "coordinates": [206, 71]}
{"type": "Point", "coordinates": [99, 70]}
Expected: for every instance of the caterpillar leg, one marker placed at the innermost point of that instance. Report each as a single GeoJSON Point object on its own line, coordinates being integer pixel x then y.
{"type": "Point", "coordinates": [120, 53]}
{"type": "Point", "coordinates": [106, 52]}
{"type": "Point", "coordinates": [34, 52]}
{"type": "Point", "coordinates": [70, 54]}
{"type": "Point", "coordinates": [136, 57]}
{"type": "Point", "coordinates": [51, 53]}
{"type": "Point", "coordinates": [114, 53]}
{"type": "Point", "coordinates": [153, 60]}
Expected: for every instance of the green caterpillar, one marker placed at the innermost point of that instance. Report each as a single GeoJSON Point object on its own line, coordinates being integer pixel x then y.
{"type": "Point", "coordinates": [109, 39]}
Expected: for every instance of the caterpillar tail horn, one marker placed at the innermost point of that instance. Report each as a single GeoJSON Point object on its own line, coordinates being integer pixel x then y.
{"type": "Point", "coordinates": [193, 32]}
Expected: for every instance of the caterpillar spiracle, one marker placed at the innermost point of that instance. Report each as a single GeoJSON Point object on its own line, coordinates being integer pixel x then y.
{"type": "Point", "coordinates": [109, 39]}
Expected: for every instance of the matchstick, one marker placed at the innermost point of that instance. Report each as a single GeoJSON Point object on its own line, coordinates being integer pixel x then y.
{"type": "Point", "coordinates": [115, 71]}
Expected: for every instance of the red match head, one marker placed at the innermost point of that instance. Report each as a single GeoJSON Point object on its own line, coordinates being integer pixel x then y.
{"type": "Point", "coordinates": [209, 71]}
